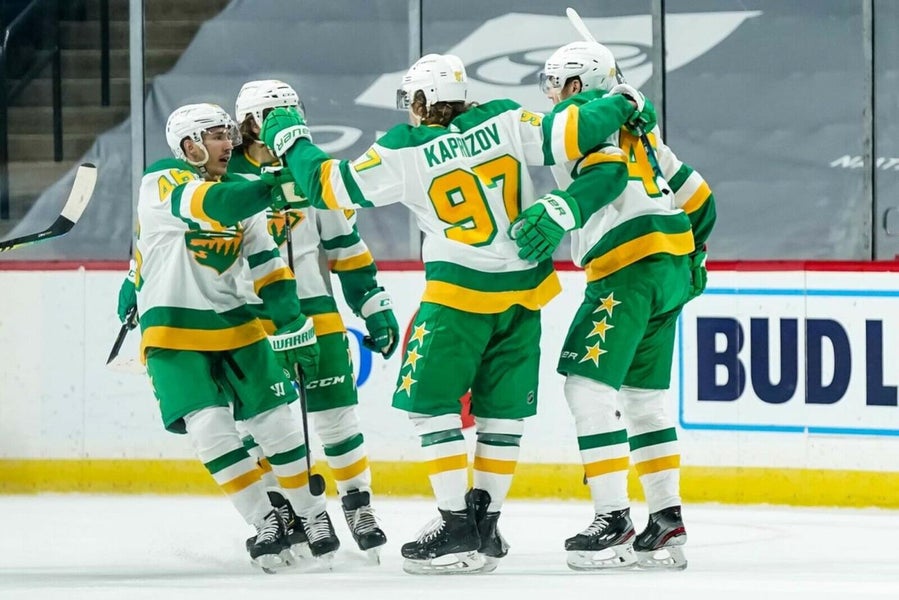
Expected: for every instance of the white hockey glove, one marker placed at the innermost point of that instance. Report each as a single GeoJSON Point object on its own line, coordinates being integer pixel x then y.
{"type": "Point", "coordinates": [631, 93]}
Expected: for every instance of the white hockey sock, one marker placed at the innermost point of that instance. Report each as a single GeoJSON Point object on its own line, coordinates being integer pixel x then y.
{"type": "Point", "coordinates": [344, 448]}
{"type": "Point", "coordinates": [214, 436]}
{"type": "Point", "coordinates": [496, 456]}
{"type": "Point", "coordinates": [602, 441]}
{"type": "Point", "coordinates": [445, 456]}
{"type": "Point", "coordinates": [654, 447]}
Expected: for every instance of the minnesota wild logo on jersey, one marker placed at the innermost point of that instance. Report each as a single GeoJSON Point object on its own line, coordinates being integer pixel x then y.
{"type": "Point", "coordinates": [216, 249]}
{"type": "Point", "coordinates": [278, 220]}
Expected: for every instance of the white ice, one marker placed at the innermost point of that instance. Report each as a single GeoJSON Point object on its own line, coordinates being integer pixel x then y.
{"type": "Point", "coordinates": [136, 547]}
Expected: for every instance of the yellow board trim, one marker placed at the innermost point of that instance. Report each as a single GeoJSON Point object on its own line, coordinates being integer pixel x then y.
{"type": "Point", "coordinates": [210, 340]}
{"type": "Point", "coordinates": [639, 248]}
{"type": "Point", "coordinates": [731, 485]}
{"type": "Point", "coordinates": [698, 198]}
{"type": "Point", "coordinates": [328, 194]}
{"type": "Point", "coordinates": [447, 463]}
{"type": "Point", "coordinates": [487, 303]}
{"type": "Point", "coordinates": [572, 150]}
{"type": "Point", "coordinates": [663, 463]}
{"type": "Point", "coordinates": [348, 472]}
{"type": "Point", "coordinates": [495, 466]}
{"type": "Point", "coordinates": [328, 323]}
{"type": "Point", "coordinates": [352, 263]}
{"type": "Point", "coordinates": [196, 206]}
{"type": "Point", "coordinates": [604, 467]}
{"type": "Point", "coordinates": [242, 482]}
{"type": "Point", "coordinates": [282, 274]}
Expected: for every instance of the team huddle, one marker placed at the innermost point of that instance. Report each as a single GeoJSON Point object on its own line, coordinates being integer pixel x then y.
{"type": "Point", "coordinates": [240, 232]}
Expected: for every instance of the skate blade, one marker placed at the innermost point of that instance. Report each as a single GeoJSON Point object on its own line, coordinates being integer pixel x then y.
{"type": "Point", "coordinates": [667, 557]}
{"type": "Point", "coordinates": [490, 564]}
{"type": "Point", "coordinates": [373, 556]}
{"type": "Point", "coordinates": [272, 563]}
{"type": "Point", "coordinates": [608, 559]}
{"type": "Point", "coordinates": [301, 551]}
{"type": "Point", "coordinates": [460, 563]}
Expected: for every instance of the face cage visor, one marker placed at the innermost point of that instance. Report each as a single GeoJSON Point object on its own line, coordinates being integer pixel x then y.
{"type": "Point", "coordinates": [403, 99]}
{"type": "Point", "coordinates": [229, 131]}
{"type": "Point", "coordinates": [549, 83]}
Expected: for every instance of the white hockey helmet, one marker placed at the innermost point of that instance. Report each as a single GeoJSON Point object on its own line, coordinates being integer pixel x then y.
{"type": "Point", "coordinates": [441, 77]}
{"type": "Point", "coordinates": [256, 97]}
{"type": "Point", "coordinates": [591, 61]}
{"type": "Point", "coordinates": [190, 121]}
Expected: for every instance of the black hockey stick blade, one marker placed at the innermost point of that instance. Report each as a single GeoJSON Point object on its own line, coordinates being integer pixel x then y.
{"type": "Point", "coordinates": [82, 189]}
{"type": "Point", "coordinates": [127, 326]}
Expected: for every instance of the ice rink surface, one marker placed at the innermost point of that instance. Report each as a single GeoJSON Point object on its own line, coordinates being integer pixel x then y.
{"type": "Point", "coordinates": [135, 547]}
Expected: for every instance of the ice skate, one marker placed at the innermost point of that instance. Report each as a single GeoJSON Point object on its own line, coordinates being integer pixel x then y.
{"type": "Point", "coordinates": [493, 544]}
{"type": "Point", "coordinates": [360, 518]}
{"type": "Point", "coordinates": [660, 545]}
{"type": "Point", "coordinates": [323, 542]}
{"type": "Point", "coordinates": [607, 543]}
{"type": "Point", "coordinates": [270, 549]}
{"type": "Point", "coordinates": [447, 545]}
{"type": "Point", "coordinates": [296, 534]}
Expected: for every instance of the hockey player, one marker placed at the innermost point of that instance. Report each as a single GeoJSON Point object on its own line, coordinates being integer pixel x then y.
{"type": "Point", "coordinates": [462, 170]}
{"type": "Point", "coordinates": [320, 238]}
{"type": "Point", "coordinates": [202, 248]}
{"type": "Point", "coordinates": [644, 256]}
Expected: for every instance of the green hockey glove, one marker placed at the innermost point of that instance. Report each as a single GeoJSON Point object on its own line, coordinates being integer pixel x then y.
{"type": "Point", "coordinates": [285, 192]}
{"type": "Point", "coordinates": [699, 275]}
{"type": "Point", "coordinates": [295, 345]}
{"type": "Point", "coordinates": [383, 329]}
{"type": "Point", "coordinates": [282, 128]}
{"type": "Point", "coordinates": [127, 309]}
{"type": "Point", "coordinates": [539, 229]}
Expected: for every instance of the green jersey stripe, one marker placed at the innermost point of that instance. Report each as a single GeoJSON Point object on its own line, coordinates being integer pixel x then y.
{"type": "Point", "coordinates": [488, 282]}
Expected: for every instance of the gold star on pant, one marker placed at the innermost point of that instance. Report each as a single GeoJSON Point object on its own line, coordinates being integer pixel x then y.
{"type": "Point", "coordinates": [607, 304]}
{"type": "Point", "coordinates": [406, 384]}
{"type": "Point", "coordinates": [593, 353]}
{"type": "Point", "coordinates": [412, 358]}
{"type": "Point", "coordinates": [600, 328]}
{"type": "Point", "coordinates": [419, 334]}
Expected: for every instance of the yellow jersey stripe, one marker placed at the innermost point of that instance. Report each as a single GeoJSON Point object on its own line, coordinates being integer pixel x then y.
{"type": "Point", "coordinates": [352, 263]}
{"type": "Point", "coordinates": [698, 198]}
{"type": "Point", "coordinates": [663, 463]}
{"type": "Point", "coordinates": [348, 472]}
{"type": "Point", "coordinates": [492, 465]}
{"type": "Point", "coordinates": [294, 481]}
{"type": "Point", "coordinates": [196, 206]}
{"type": "Point", "coordinates": [265, 465]}
{"type": "Point", "coordinates": [328, 194]}
{"type": "Point", "coordinates": [639, 248]}
{"type": "Point", "coordinates": [282, 274]}
{"type": "Point", "coordinates": [328, 323]}
{"type": "Point", "coordinates": [242, 482]}
{"type": "Point", "coordinates": [447, 463]}
{"type": "Point", "coordinates": [203, 340]}
{"type": "Point", "coordinates": [488, 303]}
{"type": "Point", "coordinates": [572, 151]}
{"type": "Point", "coordinates": [596, 158]}
{"type": "Point", "coordinates": [604, 467]}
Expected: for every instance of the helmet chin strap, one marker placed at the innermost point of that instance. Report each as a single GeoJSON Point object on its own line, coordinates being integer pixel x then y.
{"type": "Point", "coordinates": [199, 164]}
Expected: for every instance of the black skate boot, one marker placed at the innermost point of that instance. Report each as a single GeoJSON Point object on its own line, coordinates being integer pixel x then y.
{"type": "Point", "coordinates": [296, 534]}
{"type": "Point", "coordinates": [361, 520]}
{"type": "Point", "coordinates": [323, 542]}
{"type": "Point", "coordinates": [270, 549]}
{"type": "Point", "coordinates": [660, 545]}
{"type": "Point", "coordinates": [447, 545]}
{"type": "Point", "coordinates": [607, 543]}
{"type": "Point", "coordinates": [493, 545]}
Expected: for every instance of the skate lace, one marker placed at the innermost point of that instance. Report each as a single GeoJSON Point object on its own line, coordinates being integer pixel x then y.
{"type": "Point", "coordinates": [364, 521]}
{"type": "Point", "coordinates": [598, 524]}
{"type": "Point", "coordinates": [285, 515]}
{"type": "Point", "coordinates": [431, 529]}
{"type": "Point", "coordinates": [268, 531]}
{"type": "Point", "coordinates": [318, 528]}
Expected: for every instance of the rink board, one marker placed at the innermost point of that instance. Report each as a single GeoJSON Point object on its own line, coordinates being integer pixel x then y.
{"type": "Point", "coordinates": [782, 387]}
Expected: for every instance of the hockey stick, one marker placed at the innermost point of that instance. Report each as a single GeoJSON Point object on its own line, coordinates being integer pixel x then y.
{"type": "Point", "coordinates": [82, 189]}
{"type": "Point", "coordinates": [316, 481]}
{"type": "Point", "coordinates": [581, 28]}
{"type": "Point", "coordinates": [129, 324]}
